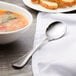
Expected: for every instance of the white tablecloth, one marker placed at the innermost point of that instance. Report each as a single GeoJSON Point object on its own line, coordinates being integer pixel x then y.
{"type": "Point", "coordinates": [56, 58]}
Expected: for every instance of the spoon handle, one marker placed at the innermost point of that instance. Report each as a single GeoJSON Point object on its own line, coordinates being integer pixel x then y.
{"type": "Point", "coordinates": [24, 59]}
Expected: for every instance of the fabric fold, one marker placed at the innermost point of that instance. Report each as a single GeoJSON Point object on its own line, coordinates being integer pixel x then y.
{"type": "Point", "coordinates": [56, 58]}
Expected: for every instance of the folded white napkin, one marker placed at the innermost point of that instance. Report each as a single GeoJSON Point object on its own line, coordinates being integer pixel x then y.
{"type": "Point", "coordinates": [56, 58]}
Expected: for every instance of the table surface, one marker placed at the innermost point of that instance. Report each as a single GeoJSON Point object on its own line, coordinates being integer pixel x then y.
{"type": "Point", "coordinates": [11, 52]}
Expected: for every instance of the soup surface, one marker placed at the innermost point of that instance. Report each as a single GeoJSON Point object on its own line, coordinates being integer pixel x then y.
{"type": "Point", "coordinates": [11, 21]}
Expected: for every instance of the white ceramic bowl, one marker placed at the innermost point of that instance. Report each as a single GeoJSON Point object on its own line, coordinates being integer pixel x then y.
{"type": "Point", "coordinates": [7, 37]}
{"type": "Point", "coordinates": [40, 8]}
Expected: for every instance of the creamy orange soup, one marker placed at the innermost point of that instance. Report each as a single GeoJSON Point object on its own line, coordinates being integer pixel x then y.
{"type": "Point", "coordinates": [11, 21]}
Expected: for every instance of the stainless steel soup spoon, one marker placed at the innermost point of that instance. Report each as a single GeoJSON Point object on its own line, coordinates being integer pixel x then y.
{"type": "Point", "coordinates": [54, 31]}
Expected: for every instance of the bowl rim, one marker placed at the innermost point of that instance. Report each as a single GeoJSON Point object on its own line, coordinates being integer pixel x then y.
{"type": "Point", "coordinates": [26, 11]}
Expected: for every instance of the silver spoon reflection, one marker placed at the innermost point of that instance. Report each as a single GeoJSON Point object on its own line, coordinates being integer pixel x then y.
{"type": "Point", "coordinates": [54, 31]}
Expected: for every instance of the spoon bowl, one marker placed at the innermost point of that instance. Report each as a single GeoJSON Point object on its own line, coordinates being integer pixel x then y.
{"type": "Point", "coordinates": [54, 31]}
